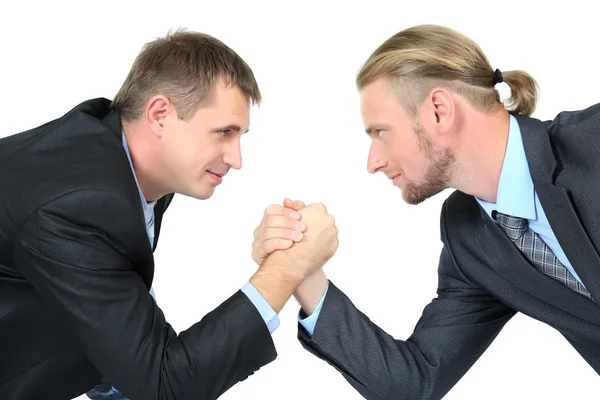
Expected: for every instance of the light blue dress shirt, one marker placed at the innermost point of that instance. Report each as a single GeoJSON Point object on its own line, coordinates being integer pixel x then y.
{"type": "Point", "coordinates": [310, 322]}
{"type": "Point", "coordinates": [517, 196]}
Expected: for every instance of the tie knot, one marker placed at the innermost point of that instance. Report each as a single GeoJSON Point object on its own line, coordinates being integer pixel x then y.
{"type": "Point", "coordinates": [514, 227]}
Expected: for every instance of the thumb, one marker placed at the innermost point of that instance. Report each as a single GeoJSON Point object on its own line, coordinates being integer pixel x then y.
{"type": "Point", "coordinates": [294, 205]}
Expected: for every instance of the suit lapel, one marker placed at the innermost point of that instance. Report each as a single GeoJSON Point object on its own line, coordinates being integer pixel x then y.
{"type": "Point", "coordinates": [506, 259]}
{"type": "Point", "coordinates": [558, 206]}
{"type": "Point", "coordinates": [146, 267]}
{"type": "Point", "coordinates": [159, 209]}
{"type": "Point", "coordinates": [113, 121]}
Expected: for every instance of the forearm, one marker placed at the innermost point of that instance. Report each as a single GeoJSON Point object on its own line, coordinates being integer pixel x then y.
{"type": "Point", "coordinates": [276, 280]}
{"type": "Point", "coordinates": [310, 292]}
{"type": "Point", "coordinates": [116, 323]}
{"type": "Point", "coordinates": [447, 340]}
{"type": "Point", "coordinates": [225, 347]}
{"type": "Point", "coordinates": [374, 363]}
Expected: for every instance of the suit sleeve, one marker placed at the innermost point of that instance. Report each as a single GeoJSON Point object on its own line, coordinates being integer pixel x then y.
{"type": "Point", "coordinates": [74, 251]}
{"type": "Point", "coordinates": [452, 333]}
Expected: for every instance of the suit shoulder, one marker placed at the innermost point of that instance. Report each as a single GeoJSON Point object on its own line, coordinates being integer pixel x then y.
{"type": "Point", "coordinates": [566, 120]}
{"type": "Point", "coordinates": [78, 152]}
{"type": "Point", "coordinates": [81, 113]}
{"type": "Point", "coordinates": [460, 207]}
{"type": "Point", "coordinates": [461, 217]}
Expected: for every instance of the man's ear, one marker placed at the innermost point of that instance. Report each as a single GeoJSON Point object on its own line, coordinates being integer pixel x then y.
{"type": "Point", "coordinates": [438, 115]}
{"type": "Point", "coordinates": [157, 110]}
{"type": "Point", "coordinates": [442, 108]}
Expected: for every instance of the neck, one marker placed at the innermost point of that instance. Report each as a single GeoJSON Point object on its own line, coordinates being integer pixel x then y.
{"type": "Point", "coordinates": [144, 159]}
{"type": "Point", "coordinates": [482, 153]}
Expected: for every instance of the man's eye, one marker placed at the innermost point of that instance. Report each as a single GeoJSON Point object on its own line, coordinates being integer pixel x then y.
{"type": "Point", "coordinates": [223, 132]}
{"type": "Point", "coordinates": [379, 132]}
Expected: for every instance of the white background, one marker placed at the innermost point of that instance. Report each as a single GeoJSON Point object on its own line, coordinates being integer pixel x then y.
{"type": "Point", "coordinates": [306, 141]}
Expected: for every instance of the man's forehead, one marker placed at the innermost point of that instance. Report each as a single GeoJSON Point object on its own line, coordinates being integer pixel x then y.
{"type": "Point", "coordinates": [378, 93]}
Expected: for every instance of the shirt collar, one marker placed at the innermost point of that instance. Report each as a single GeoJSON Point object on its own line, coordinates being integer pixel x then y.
{"type": "Point", "coordinates": [147, 206]}
{"type": "Point", "coordinates": [516, 194]}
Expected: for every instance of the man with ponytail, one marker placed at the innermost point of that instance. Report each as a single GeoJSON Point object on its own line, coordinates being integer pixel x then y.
{"type": "Point", "coordinates": [520, 232]}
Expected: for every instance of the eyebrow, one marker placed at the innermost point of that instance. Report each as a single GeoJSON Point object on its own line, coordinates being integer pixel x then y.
{"type": "Point", "coordinates": [231, 127]}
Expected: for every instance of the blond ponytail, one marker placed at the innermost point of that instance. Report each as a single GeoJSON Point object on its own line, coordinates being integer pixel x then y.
{"type": "Point", "coordinates": [524, 92]}
{"type": "Point", "coordinates": [419, 58]}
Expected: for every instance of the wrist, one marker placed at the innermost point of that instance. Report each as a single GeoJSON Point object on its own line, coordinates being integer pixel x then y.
{"type": "Point", "coordinates": [290, 269]}
{"type": "Point", "coordinates": [310, 292]}
{"type": "Point", "coordinates": [276, 280]}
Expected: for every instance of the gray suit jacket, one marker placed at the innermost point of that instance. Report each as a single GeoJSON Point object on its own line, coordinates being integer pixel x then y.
{"type": "Point", "coordinates": [484, 279]}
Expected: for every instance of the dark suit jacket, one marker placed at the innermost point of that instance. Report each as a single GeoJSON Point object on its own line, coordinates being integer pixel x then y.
{"type": "Point", "coordinates": [75, 269]}
{"type": "Point", "coordinates": [484, 279]}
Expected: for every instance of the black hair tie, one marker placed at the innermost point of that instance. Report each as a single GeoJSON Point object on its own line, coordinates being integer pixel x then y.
{"type": "Point", "coordinates": [498, 77]}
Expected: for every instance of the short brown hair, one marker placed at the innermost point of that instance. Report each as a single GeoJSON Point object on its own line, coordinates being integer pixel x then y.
{"type": "Point", "coordinates": [417, 59]}
{"type": "Point", "coordinates": [184, 67]}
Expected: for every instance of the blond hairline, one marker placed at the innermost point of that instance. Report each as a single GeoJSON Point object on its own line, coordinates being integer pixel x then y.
{"type": "Point", "coordinates": [411, 93]}
{"type": "Point", "coordinates": [422, 57]}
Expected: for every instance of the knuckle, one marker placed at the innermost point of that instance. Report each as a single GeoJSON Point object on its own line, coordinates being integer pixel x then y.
{"type": "Point", "coordinates": [269, 220]}
{"type": "Point", "coordinates": [269, 234]}
{"type": "Point", "coordinates": [272, 209]}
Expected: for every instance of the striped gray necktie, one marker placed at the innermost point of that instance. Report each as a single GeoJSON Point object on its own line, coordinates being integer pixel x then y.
{"type": "Point", "coordinates": [537, 252]}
